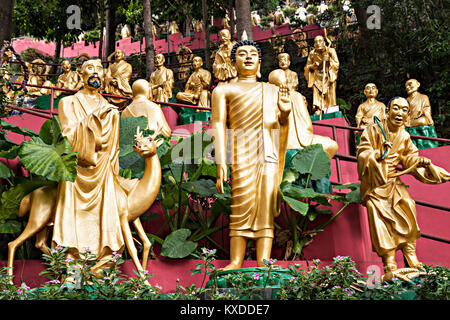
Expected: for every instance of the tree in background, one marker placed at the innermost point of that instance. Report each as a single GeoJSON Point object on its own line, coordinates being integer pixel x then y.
{"type": "Point", "coordinates": [149, 48]}
{"type": "Point", "coordinates": [6, 16]}
{"type": "Point", "coordinates": [243, 19]}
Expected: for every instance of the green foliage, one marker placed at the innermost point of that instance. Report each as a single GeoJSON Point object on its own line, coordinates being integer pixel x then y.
{"type": "Point", "coordinates": [176, 246]}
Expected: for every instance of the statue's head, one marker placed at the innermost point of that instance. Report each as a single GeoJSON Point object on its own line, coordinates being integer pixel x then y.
{"type": "Point", "coordinates": [284, 60]}
{"type": "Point", "coordinates": [159, 60]}
{"type": "Point", "coordinates": [65, 65]}
{"type": "Point", "coordinates": [246, 56]}
{"type": "Point", "coordinates": [92, 73]}
{"type": "Point", "coordinates": [140, 88]}
{"type": "Point", "coordinates": [412, 85]}
{"type": "Point", "coordinates": [224, 36]}
{"type": "Point", "coordinates": [319, 43]}
{"type": "Point", "coordinates": [197, 62]}
{"type": "Point", "coordinates": [370, 90]}
{"type": "Point", "coordinates": [398, 111]}
{"type": "Point", "coordinates": [119, 55]}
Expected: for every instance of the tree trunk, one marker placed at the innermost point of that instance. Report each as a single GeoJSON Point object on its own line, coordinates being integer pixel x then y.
{"type": "Point", "coordinates": [148, 35]}
{"type": "Point", "coordinates": [6, 16]}
{"type": "Point", "coordinates": [57, 55]}
{"type": "Point", "coordinates": [101, 9]}
{"type": "Point", "coordinates": [206, 29]}
{"type": "Point", "coordinates": [111, 27]}
{"type": "Point", "coordinates": [243, 18]}
{"type": "Point", "coordinates": [232, 21]}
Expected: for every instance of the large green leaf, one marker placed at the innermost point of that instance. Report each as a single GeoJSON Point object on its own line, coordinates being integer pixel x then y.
{"type": "Point", "coordinates": [203, 187]}
{"type": "Point", "coordinates": [312, 160]}
{"type": "Point", "coordinates": [176, 246]}
{"type": "Point", "coordinates": [354, 196]}
{"type": "Point", "coordinates": [10, 200]}
{"type": "Point", "coordinates": [55, 162]}
{"type": "Point", "coordinates": [11, 226]}
{"type": "Point", "coordinates": [25, 131]}
{"type": "Point", "coordinates": [5, 172]}
{"type": "Point", "coordinates": [298, 206]}
{"type": "Point", "coordinates": [127, 131]}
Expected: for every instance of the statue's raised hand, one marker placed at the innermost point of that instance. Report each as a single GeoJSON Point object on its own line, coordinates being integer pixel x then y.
{"type": "Point", "coordinates": [284, 102]}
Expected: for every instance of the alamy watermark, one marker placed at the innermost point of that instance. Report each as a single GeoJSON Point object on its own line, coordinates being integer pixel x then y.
{"type": "Point", "coordinates": [373, 17]}
{"type": "Point", "coordinates": [74, 19]}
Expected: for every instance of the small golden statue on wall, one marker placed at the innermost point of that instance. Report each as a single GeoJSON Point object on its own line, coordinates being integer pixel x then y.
{"type": "Point", "coordinates": [197, 87]}
{"type": "Point", "coordinates": [391, 211]}
{"type": "Point", "coordinates": [38, 76]}
{"type": "Point", "coordinates": [300, 126]}
{"type": "Point", "coordinates": [161, 81]}
{"type": "Point", "coordinates": [370, 108]}
{"type": "Point", "coordinates": [142, 106]}
{"type": "Point", "coordinates": [301, 43]}
{"type": "Point", "coordinates": [223, 68]}
{"type": "Point", "coordinates": [184, 55]}
{"type": "Point", "coordinates": [117, 78]}
{"type": "Point", "coordinates": [68, 80]}
{"type": "Point", "coordinates": [420, 114]}
{"type": "Point", "coordinates": [173, 28]}
{"type": "Point", "coordinates": [321, 71]}
{"type": "Point", "coordinates": [250, 110]}
{"type": "Point", "coordinates": [278, 17]}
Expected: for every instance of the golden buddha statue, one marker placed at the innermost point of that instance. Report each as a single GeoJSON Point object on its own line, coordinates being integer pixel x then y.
{"type": "Point", "coordinates": [197, 25]}
{"type": "Point", "coordinates": [68, 80]}
{"type": "Point", "coordinates": [38, 76]}
{"type": "Point", "coordinates": [300, 124]}
{"type": "Point", "coordinates": [223, 68]}
{"type": "Point", "coordinates": [184, 55]}
{"type": "Point", "coordinates": [255, 115]}
{"type": "Point", "coordinates": [419, 103]}
{"type": "Point", "coordinates": [321, 72]}
{"type": "Point", "coordinates": [301, 43]}
{"type": "Point", "coordinates": [117, 78]}
{"type": "Point", "coordinates": [278, 17]}
{"type": "Point", "coordinates": [93, 212]}
{"type": "Point", "coordinates": [173, 27]}
{"type": "Point", "coordinates": [226, 20]}
{"type": "Point", "coordinates": [142, 106]}
{"type": "Point", "coordinates": [125, 31]}
{"type": "Point", "coordinates": [370, 108]}
{"type": "Point", "coordinates": [197, 87]}
{"type": "Point", "coordinates": [161, 81]}
{"type": "Point", "coordinates": [391, 211]}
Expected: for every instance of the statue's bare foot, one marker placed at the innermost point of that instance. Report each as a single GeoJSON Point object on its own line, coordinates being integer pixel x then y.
{"type": "Point", "coordinates": [231, 266]}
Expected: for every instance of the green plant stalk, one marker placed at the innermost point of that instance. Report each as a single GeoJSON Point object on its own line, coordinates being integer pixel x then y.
{"type": "Point", "coordinates": [332, 218]}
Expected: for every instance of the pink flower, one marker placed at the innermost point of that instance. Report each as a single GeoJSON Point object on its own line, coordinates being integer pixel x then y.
{"type": "Point", "coordinates": [256, 276]}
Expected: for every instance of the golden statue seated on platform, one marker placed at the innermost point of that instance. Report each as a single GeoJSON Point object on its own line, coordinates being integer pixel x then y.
{"type": "Point", "coordinates": [93, 212]}
{"type": "Point", "coordinates": [142, 106]}
{"type": "Point", "coordinates": [68, 80]}
{"type": "Point", "coordinates": [300, 124]}
{"type": "Point", "coordinates": [38, 76]}
{"type": "Point", "coordinates": [419, 103]}
{"type": "Point", "coordinates": [370, 108]}
{"type": "Point", "coordinates": [197, 87]}
{"type": "Point", "coordinates": [117, 78]}
{"type": "Point", "coordinates": [391, 211]}
{"type": "Point", "coordinates": [255, 115]}
{"type": "Point", "coordinates": [161, 81]}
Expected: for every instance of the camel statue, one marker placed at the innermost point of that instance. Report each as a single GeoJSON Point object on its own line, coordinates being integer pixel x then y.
{"type": "Point", "coordinates": [41, 203]}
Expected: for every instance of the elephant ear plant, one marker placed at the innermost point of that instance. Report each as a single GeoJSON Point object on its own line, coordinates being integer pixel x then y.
{"type": "Point", "coordinates": [303, 200]}
{"type": "Point", "coordinates": [47, 158]}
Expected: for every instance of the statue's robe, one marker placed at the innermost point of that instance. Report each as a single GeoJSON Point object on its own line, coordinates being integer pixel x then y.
{"type": "Point", "coordinates": [164, 77]}
{"type": "Point", "coordinates": [198, 84]}
{"type": "Point", "coordinates": [390, 208]}
{"type": "Point", "coordinates": [322, 82]}
{"type": "Point", "coordinates": [87, 210]}
{"type": "Point", "coordinates": [258, 145]}
{"type": "Point", "coordinates": [121, 72]}
{"type": "Point", "coordinates": [366, 112]}
{"type": "Point", "coordinates": [155, 117]}
{"type": "Point", "coordinates": [420, 111]}
{"type": "Point", "coordinates": [223, 68]}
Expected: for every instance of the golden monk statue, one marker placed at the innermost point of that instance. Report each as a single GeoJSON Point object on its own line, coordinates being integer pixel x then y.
{"type": "Point", "coordinates": [117, 79]}
{"type": "Point", "coordinates": [68, 80]}
{"type": "Point", "coordinates": [197, 87]}
{"type": "Point", "coordinates": [256, 116]}
{"type": "Point", "coordinates": [161, 81]}
{"type": "Point", "coordinates": [142, 106]}
{"type": "Point", "coordinates": [93, 213]}
{"type": "Point", "coordinates": [38, 77]}
{"type": "Point", "coordinates": [173, 27]}
{"type": "Point", "coordinates": [300, 124]}
{"type": "Point", "coordinates": [278, 17]}
{"type": "Point", "coordinates": [391, 211]}
{"type": "Point", "coordinates": [223, 68]}
{"type": "Point", "coordinates": [420, 114]}
{"type": "Point", "coordinates": [370, 108]}
{"type": "Point", "coordinates": [184, 55]}
{"type": "Point", "coordinates": [321, 72]}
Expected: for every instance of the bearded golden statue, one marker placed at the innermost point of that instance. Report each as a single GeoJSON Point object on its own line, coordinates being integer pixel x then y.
{"type": "Point", "coordinates": [255, 114]}
{"type": "Point", "coordinates": [117, 78]}
{"type": "Point", "coordinates": [391, 211]}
